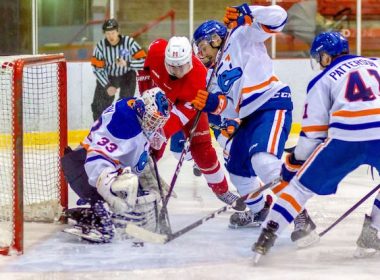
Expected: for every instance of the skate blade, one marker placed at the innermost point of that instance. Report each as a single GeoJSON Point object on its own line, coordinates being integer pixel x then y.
{"type": "Point", "coordinates": [361, 252]}
{"type": "Point", "coordinates": [256, 258]}
{"type": "Point", "coordinates": [250, 225]}
{"type": "Point", "coordinates": [309, 240]}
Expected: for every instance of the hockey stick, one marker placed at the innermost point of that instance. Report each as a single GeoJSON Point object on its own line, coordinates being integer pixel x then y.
{"type": "Point", "coordinates": [260, 190]}
{"type": "Point", "coordinates": [181, 159]}
{"type": "Point", "coordinates": [289, 150]}
{"type": "Point", "coordinates": [349, 211]}
{"type": "Point", "coordinates": [163, 217]}
{"type": "Point", "coordinates": [152, 237]}
{"type": "Point", "coordinates": [186, 147]}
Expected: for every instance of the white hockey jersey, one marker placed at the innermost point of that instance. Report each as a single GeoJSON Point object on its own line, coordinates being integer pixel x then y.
{"type": "Point", "coordinates": [116, 140]}
{"type": "Point", "coordinates": [245, 72]}
{"type": "Point", "coordinates": [343, 102]}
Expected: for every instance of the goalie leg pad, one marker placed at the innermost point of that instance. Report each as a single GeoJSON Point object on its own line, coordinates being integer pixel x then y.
{"type": "Point", "coordinates": [143, 215]}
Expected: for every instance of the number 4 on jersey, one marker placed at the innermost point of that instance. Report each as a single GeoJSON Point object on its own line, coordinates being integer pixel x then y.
{"type": "Point", "coordinates": [356, 89]}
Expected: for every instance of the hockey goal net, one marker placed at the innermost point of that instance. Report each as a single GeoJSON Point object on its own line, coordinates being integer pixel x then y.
{"type": "Point", "coordinates": [33, 134]}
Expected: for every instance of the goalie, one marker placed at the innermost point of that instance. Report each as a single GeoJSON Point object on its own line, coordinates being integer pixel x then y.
{"type": "Point", "coordinates": [105, 169]}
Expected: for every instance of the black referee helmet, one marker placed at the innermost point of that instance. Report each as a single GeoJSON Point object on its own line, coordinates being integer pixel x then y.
{"type": "Point", "coordinates": [110, 24]}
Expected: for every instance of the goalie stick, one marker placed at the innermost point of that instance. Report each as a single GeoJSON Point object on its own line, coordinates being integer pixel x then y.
{"type": "Point", "coordinates": [163, 217]}
{"type": "Point", "coordinates": [152, 237]}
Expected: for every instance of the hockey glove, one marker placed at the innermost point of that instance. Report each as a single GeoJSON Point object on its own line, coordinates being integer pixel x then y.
{"type": "Point", "coordinates": [229, 126]}
{"type": "Point", "coordinates": [290, 167]}
{"type": "Point", "coordinates": [213, 103]}
{"type": "Point", "coordinates": [237, 15]}
{"type": "Point", "coordinates": [144, 81]}
{"type": "Point", "coordinates": [157, 139]}
{"type": "Point", "coordinates": [119, 191]}
{"type": "Point", "coordinates": [158, 153]}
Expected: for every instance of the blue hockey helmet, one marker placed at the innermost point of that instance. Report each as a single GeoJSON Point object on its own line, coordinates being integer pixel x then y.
{"type": "Point", "coordinates": [332, 43]}
{"type": "Point", "coordinates": [207, 29]}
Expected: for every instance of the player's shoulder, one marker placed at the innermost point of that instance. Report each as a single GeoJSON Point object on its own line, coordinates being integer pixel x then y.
{"type": "Point", "coordinates": [157, 46]}
{"type": "Point", "coordinates": [156, 52]}
{"type": "Point", "coordinates": [124, 123]}
{"type": "Point", "coordinates": [335, 64]}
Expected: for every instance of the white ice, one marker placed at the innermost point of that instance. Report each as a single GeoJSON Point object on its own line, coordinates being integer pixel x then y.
{"type": "Point", "coordinates": [211, 251]}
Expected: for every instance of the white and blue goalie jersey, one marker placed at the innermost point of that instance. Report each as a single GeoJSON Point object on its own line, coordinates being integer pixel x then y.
{"type": "Point", "coordinates": [116, 140]}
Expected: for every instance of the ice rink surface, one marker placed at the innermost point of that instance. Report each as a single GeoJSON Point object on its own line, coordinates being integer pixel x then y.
{"type": "Point", "coordinates": [211, 251]}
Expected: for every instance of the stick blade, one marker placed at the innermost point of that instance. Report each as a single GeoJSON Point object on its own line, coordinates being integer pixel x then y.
{"type": "Point", "coordinates": [145, 235]}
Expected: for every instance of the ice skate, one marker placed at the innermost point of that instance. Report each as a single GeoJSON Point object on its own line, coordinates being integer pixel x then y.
{"type": "Point", "coordinates": [95, 224]}
{"type": "Point", "coordinates": [266, 240]}
{"type": "Point", "coordinates": [304, 233]}
{"type": "Point", "coordinates": [78, 213]}
{"type": "Point", "coordinates": [368, 243]}
{"type": "Point", "coordinates": [196, 170]}
{"type": "Point", "coordinates": [248, 218]}
{"type": "Point", "coordinates": [233, 200]}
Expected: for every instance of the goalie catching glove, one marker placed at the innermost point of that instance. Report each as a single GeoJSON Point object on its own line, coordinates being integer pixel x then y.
{"type": "Point", "coordinates": [213, 103]}
{"type": "Point", "coordinates": [118, 190]}
{"type": "Point", "coordinates": [237, 15]}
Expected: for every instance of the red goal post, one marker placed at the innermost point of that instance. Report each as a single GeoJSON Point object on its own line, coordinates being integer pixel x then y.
{"type": "Point", "coordinates": [33, 135]}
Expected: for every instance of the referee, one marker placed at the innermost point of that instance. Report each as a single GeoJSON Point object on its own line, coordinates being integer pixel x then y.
{"type": "Point", "coordinates": [114, 61]}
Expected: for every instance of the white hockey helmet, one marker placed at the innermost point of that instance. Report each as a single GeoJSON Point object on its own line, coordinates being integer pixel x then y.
{"type": "Point", "coordinates": [178, 56]}
{"type": "Point", "coordinates": [152, 109]}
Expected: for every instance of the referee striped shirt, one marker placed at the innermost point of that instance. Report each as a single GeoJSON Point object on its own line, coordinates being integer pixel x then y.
{"type": "Point", "coordinates": [105, 57]}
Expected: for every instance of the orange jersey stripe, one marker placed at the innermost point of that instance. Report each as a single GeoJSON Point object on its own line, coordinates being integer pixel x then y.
{"type": "Point", "coordinates": [353, 114]}
{"type": "Point", "coordinates": [259, 86]}
{"type": "Point", "coordinates": [97, 63]}
{"type": "Point", "coordinates": [279, 187]}
{"type": "Point", "coordinates": [267, 30]}
{"type": "Point", "coordinates": [276, 134]}
{"type": "Point", "coordinates": [315, 128]}
{"type": "Point", "coordinates": [139, 54]}
{"type": "Point", "coordinates": [311, 157]}
{"type": "Point", "coordinates": [287, 197]}
{"type": "Point", "coordinates": [87, 148]}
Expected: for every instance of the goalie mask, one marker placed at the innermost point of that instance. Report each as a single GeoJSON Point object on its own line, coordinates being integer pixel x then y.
{"type": "Point", "coordinates": [178, 57]}
{"type": "Point", "coordinates": [152, 109]}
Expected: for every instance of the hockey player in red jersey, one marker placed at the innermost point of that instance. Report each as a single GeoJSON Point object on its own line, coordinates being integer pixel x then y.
{"type": "Point", "coordinates": [172, 66]}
